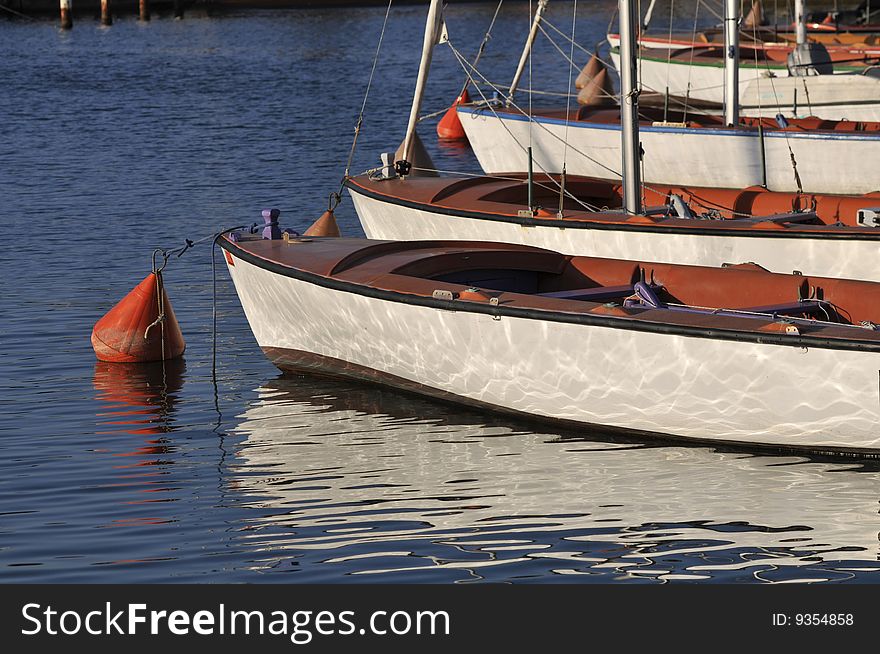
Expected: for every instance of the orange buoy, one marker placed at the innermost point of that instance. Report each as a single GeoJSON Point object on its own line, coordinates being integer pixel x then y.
{"type": "Point", "coordinates": [755, 17]}
{"type": "Point", "coordinates": [599, 90]}
{"type": "Point", "coordinates": [141, 327]}
{"type": "Point", "coordinates": [450, 126]}
{"type": "Point", "coordinates": [592, 68]}
{"type": "Point", "coordinates": [324, 226]}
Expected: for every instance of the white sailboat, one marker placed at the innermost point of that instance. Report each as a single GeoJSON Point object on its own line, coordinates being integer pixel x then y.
{"type": "Point", "coordinates": [814, 233]}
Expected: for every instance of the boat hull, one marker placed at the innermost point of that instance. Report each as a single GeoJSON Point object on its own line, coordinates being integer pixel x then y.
{"type": "Point", "coordinates": [852, 259]}
{"type": "Point", "coordinates": [579, 374]}
{"type": "Point", "coordinates": [709, 157]}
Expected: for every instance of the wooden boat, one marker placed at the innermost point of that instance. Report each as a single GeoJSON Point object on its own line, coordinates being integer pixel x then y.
{"type": "Point", "coordinates": [735, 355]}
{"type": "Point", "coordinates": [817, 234]}
{"type": "Point", "coordinates": [832, 157]}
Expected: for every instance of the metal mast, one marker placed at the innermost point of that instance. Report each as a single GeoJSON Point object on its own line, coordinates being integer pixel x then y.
{"type": "Point", "coordinates": [629, 109]}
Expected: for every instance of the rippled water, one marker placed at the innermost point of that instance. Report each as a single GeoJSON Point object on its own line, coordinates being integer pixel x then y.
{"type": "Point", "coordinates": [116, 141]}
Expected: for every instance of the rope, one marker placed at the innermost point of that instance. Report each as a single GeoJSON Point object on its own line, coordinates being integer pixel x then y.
{"type": "Point", "coordinates": [687, 94]}
{"type": "Point", "coordinates": [16, 13]}
{"type": "Point", "coordinates": [360, 120]}
{"type": "Point", "coordinates": [464, 63]}
{"type": "Point", "coordinates": [668, 62]}
{"type": "Point", "coordinates": [531, 113]}
{"type": "Point", "coordinates": [568, 38]}
{"type": "Point", "coordinates": [547, 187]}
{"type": "Point", "coordinates": [214, 315]}
{"type": "Point", "coordinates": [571, 70]}
{"type": "Point", "coordinates": [555, 94]}
{"type": "Point", "coordinates": [482, 47]}
{"type": "Point", "coordinates": [571, 63]}
{"type": "Point", "coordinates": [797, 177]}
{"type": "Point", "coordinates": [489, 104]}
{"type": "Point", "coordinates": [434, 114]}
{"type": "Point", "coordinates": [160, 320]}
{"type": "Point", "coordinates": [710, 10]}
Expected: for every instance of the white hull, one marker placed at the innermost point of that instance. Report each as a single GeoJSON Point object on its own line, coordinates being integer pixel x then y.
{"type": "Point", "coordinates": [844, 96]}
{"type": "Point", "coordinates": [725, 158]}
{"type": "Point", "coordinates": [826, 258]}
{"type": "Point", "coordinates": [699, 388]}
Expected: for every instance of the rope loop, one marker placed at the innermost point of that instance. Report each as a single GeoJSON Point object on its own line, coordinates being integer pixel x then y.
{"type": "Point", "coordinates": [157, 321]}
{"type": "Point", "coordinates": [333, 200]}
{"type": "Point", "coordinates": [166, 254]}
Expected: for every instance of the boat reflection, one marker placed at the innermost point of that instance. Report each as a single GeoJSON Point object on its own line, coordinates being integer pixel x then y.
{"type": "Point", "coordinates": [356, 482]}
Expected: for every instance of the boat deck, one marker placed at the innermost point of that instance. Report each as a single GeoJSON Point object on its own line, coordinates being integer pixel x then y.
{"type": "Point", "coordinates": [500, 279]}
{"type": "Point", "coordinates": [741, 211]}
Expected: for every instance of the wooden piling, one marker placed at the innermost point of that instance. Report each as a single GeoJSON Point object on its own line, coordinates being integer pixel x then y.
{"type": "Point", "coordinates": [178, 8]}
{"type": "Point", "coordinates": [66, 16]}
{"type": "Point", "coordinates": [106, 17]}
{"type": "Point", "coordinates": [144, 10]}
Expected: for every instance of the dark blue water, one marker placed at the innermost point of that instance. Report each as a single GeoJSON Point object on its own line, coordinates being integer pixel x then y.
{"type": "Point", "coordinates": [116, 141]}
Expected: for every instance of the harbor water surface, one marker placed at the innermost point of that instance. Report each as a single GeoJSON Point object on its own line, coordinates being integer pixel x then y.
{"type": "Point", "coordinates": [119, 140]}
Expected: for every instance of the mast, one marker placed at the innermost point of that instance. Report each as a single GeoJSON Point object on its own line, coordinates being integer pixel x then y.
{"type": "Point", "coordinates": [629, 108]}
{"type": "Point", "coordinates": [731, 62]}
{"type": "Point", "coordinates": [432, 30]}
{"type": "Point", "coordinates": [800, 21]}
{"type": "Point", "coordinates": [527, 49]}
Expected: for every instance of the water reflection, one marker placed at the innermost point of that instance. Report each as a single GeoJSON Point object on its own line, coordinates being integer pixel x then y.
{"type": "Point", "coordinates": [371, 485]}
{"type": "Point", "coordinates": [137, 398]}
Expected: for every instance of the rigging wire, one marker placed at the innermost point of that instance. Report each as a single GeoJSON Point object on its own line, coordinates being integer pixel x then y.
{"type": "Point", "coordinates": [490, 105]}
{"type": "Point", "coordinates": [668, 63]}
{"type": "Point", "coordinates": [360, 120]}
{"type": "Point", "coordinates": [687, 94]}
{"type": "Point", "coordinates": [571, 72]}
{"type": "Point", "coordinates": [482, 47]}
{"type": "Point", "coordinates": [570, 59]}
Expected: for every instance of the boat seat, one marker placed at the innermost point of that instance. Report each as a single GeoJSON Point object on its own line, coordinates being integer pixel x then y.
{"type": "Point", "coordinates": [595, 294]}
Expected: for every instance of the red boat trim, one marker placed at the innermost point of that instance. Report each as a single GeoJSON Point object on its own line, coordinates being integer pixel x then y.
{"type": "Point", "coordinates": [298, 361]}
{"type": "Point", "coordinates": [500, 310]}
{"type": "Point", "coordinates": [744, 231]}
